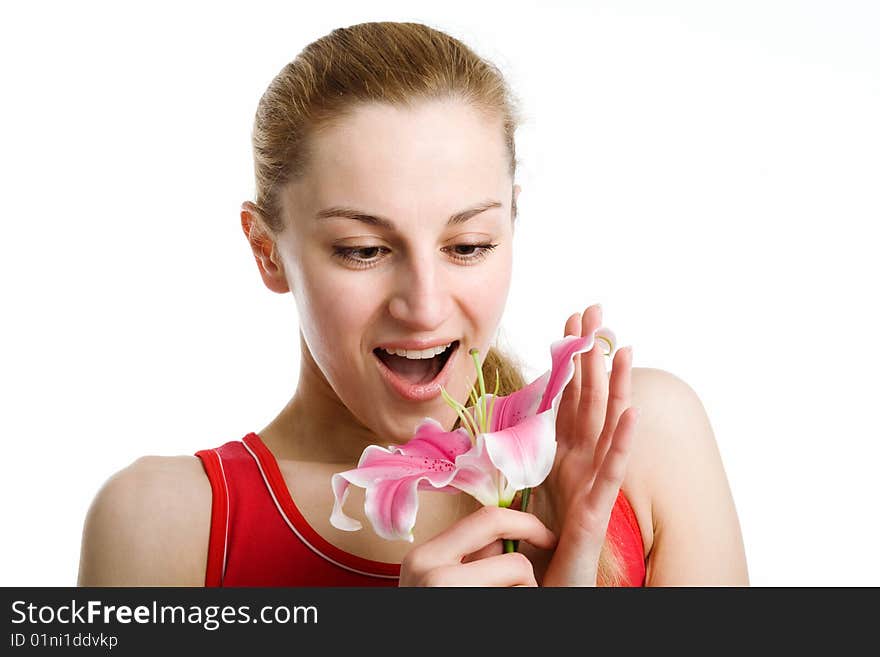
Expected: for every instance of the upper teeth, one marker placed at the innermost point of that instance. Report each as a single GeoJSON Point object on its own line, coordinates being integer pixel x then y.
{"type": "Point", "coordinates": [418, 354]}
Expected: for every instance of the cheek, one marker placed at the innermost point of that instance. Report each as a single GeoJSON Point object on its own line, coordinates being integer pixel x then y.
{"type": "Point", "coordinates": [334, 316]}
{"type": "Point", "coordinates": [488, 295]}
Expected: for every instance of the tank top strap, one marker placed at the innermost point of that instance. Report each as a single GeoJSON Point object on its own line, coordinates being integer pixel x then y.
{"type": "Point", "coordinates": [236, 485]}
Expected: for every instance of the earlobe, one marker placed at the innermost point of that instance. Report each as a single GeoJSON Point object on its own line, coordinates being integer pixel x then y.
{"type": "Point", "coordinates": [263, 247]}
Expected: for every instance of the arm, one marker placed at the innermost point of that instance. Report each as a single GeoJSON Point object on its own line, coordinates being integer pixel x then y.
{"type": "Point", "coordinates": [697, 537]}
{"type": "Point", "coordinates": [148, 526]}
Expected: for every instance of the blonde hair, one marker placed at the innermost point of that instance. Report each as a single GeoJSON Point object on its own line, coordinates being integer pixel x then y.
{"type": "Point", "coordinates": [395, 63]}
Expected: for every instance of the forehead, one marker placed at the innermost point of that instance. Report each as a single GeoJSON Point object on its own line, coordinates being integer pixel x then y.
{"type": "Point", "coordinates": [428, 158]}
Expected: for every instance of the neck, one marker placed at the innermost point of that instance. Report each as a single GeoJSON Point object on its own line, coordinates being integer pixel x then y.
{"type": "Point", "coordinates": [315, 425]}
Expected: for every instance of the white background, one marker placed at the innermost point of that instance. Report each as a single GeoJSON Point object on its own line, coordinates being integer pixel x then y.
{"type": "Point", "coordinates": [707, 170]}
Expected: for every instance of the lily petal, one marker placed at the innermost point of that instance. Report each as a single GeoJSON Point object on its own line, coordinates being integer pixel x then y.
{"type": "Point", "coordinates": [528, 401]}
{"type": "Point", "coordinates": [391, 480]}
{"type": "Point", "coordinates": [391, 507]}
{"type": "Point", "coordinates": [477, 476]}
{"type": "Point", "coordinates": [524, 453]}
{"type": "Point", "coordinates": [518, 405]}
{"type": "Point", "coordinates": [431, 440]}
{"type": "Point", "coordinates": [338, 518]}
{"type": "Point", "coordinates": [562, 369]}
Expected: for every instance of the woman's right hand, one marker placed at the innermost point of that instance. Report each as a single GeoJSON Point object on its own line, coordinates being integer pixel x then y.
{"type": "Point", "coordinates": [471, 553]}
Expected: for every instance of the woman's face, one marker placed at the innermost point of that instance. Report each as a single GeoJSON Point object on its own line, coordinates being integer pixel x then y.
{"type": "Point", "coordinates": [432, 265]}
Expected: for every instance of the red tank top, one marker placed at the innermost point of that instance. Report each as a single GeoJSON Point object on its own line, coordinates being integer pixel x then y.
{"type": "Point", "coordinates": [259, 538]}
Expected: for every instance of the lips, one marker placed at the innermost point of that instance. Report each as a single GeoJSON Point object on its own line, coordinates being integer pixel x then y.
{"type": "Point", "coordinates": [422, 391]}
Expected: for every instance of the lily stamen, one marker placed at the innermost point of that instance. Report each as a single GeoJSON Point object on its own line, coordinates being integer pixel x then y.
{"type": "Point", "coordinates": [481, 402]}
{"type": "Point", "coordinates": [466, 421]}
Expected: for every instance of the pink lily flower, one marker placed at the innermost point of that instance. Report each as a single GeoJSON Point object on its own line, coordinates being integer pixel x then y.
{"type": "Point", "coordinates": [504, 445]}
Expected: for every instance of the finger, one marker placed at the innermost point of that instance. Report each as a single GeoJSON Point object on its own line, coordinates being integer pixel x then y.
{"type": "Point", "coordinates": [482, 527]}
{"type": "Point", "coordinates": [573, 325]}
{"type": "Point", "coordinates": [510, 569]}
{"type": "Point", "coordinates": [612, 470]}
{"type": "Point", "coordinates": [619, 394]}
{"type": "Point", "coordinates": [492, 550]}
{"type": "Point", "coordinates": [568, 404]}
{"type": "Point", "coordinates": [594, 381]}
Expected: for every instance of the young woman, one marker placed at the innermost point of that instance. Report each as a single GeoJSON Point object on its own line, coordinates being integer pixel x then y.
{"type": "Point", "coordinates": [386, 205]}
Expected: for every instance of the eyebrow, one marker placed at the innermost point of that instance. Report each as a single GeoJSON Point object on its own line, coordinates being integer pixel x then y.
{"type": "Point", "coordinates": [373, 220]}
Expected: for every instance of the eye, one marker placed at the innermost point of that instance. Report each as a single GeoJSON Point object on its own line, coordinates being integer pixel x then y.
{"type": "Point", "coordinates": [477, 252]}
{"type": "Point", "coordinates": [367, 255]}
{"type": "Point", "coordinates": [363, 257]}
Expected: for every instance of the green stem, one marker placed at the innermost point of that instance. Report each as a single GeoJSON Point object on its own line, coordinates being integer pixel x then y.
{"type": "Point", "coordinates": [511, 545]}
{"type": "Point", "coordinates": [525, 499]}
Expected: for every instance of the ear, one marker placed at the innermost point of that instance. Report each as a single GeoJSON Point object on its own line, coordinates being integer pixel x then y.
{"type": "Point", "coordinates": [263, 246]}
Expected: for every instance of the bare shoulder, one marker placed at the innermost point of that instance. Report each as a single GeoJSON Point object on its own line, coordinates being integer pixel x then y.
{"type": "Point", "coordinates": [674, 432]}
{"type": "Point", "coordinates": [148, 526]}
{"type": "Point", "coordinates": [678, 476]}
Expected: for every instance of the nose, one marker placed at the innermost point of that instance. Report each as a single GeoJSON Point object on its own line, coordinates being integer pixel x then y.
{"type": "Point", "coordinates": [421, 297]}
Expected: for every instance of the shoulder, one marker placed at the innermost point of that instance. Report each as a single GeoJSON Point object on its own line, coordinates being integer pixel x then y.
{"type": "Point", "coordinates": [148, 525]}
{"type": "Point", "coordinates": [651, 382]}
{"type": "Point", "coordinates": [674, 429]}
{"type": "Point", "coordinates": [677, 468]}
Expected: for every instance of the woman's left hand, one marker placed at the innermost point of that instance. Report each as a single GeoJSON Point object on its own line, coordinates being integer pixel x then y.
{"type": "Point", "coordinates": [595, 426]}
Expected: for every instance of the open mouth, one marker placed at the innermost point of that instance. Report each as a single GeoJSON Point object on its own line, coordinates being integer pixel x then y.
{"type": "Point", "coordinates": [416, 371]}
